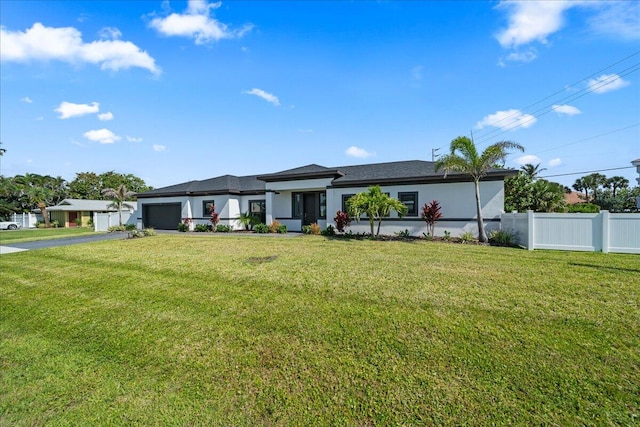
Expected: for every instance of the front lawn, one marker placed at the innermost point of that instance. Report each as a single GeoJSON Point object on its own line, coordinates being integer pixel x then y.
{"type": "Point", "coordinates": [17, 236]}
{"type": "Point", "coordinates": [243, 330]}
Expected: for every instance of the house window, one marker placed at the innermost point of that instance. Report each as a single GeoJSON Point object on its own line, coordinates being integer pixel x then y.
{"type": "Point", "coordinates": [410, 200]}
{"type": "Point", "coordinates": [323, 205]}
{"type": "Point", "coordinates": [346, 197]}
{"type": "Point", "coordinates": [296, 205]}
{"type": "Point", "coordinates": [207, 205]}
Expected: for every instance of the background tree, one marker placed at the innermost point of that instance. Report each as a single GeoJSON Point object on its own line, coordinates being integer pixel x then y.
{"type": "Point", "coordinates": [615, 183]}
{"type": "Point", "coordinates": [376, 205]}
{"type": "Point", "coordinates": [119, 196]}
{"type": "Point", "coordinates": [89, 185]}
{"type": "Point", "coordinates": [580, 185]}
{"type": "Point", "coordinates": [532, 171]}
{"type": "Point", "coordinates": [464, 157]}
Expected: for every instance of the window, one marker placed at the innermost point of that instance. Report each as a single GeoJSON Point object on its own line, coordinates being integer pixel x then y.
{"type": "Point", "coordinates": [207, 205]}
{"type": "Point", "coordinates": [296, 205]}
{"type": "Point", "coordinates": [323, 205]}
{"type": "Point", "coordinates": [346, 197]}
{"type": "Point", "coordinates": [410, 200]}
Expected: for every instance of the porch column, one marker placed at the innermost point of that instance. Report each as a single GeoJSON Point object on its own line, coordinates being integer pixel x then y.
{"type": "Point", "coordinates": [269, 202]}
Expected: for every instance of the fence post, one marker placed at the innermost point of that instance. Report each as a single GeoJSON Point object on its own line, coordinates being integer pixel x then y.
{"type": "Point", "coordinates": [530, 230]}
{"type": "Point", "coordinates": [604, 217]}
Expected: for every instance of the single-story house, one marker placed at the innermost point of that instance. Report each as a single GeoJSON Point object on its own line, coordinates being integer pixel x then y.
{"type": "Point", "coordinates": [70, 212]}
{"type": "Point", "coordinates": [314, 193]}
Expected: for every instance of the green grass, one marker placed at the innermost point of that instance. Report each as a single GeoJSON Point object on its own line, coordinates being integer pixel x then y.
{"type": "Point", "coordinates": [16, 236]}
{"type": "Point", "coordinates": [175, 330]}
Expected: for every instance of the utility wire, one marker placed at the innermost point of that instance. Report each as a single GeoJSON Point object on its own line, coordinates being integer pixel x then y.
{"type": "Point", "coordinates": [588, 139]}
{"type": "Point", "coordinates": [587, 172]}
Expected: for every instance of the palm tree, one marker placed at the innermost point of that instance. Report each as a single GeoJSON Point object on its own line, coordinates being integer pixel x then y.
{"type": "Point", "coordinates": [616, 183]}
{"type": "Point", "coordinates": [580, 185]}
{"type": "Point", "coordinates": [532, 171]}
{"type": "Point", "coordinates": [376, 205]}
{"type": "Point", "coordinates": [40, 196]}
{"type": "Point", "coordinates": [464, 157]}
{"type": "Point", "coordinates": [119, 196]}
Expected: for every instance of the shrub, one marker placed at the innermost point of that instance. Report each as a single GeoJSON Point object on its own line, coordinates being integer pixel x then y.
{"type": "Point", "coordinates": [404, 234]}
{"type": "Point", "coordinates": [215, 218]}
{"type": "Point", "coordinates": [221, 228]}
{"type": "Point", "coordinates": [182, 227]}
{"type": "Point", "coordinates": [447, 236]}
{"type": "Point", "coordinates": [467, 237]}
{"type": "Point", "coordinates": [149, 232]}
{"type": "Point", "coordinates": [502, 238]}
{"type": "Point", "coordinates": [55, 224]}
{"type": "Point", "coordinates": [306, 229]}
{"type": "Point", "coordinates": [342, 220]}
{"type": "Point", "coordinates": [78, 222]}
{"type": "Point", "coordinates": [130, 227]}
{"type": "Point", "coordinates": [427, 236]}
{"type": "Point", "coordinates": [282, 229]}
{"type": "Point", "coordinates": [329, 231]}
{"type": "Point", "coordinates": [133, 234]}
{"type": "Point", "coordinates": [315, 228]}
{"type": "Point", "coordinates": [261, 228]}
{"type": "Point", "coordinates": [273, 228]}
{"type": "Point", "coordinates": [203, 228]}
{"type": "Point", "coordinates": [431, 213]}
{"type": "Point", "coordinates": [584, 208]}
{"type": "Point", "coordinates": [115, 228]}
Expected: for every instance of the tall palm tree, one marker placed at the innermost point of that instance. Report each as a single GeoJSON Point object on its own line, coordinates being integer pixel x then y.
{"type": "Point", "coordinates": [580, 185]}
{"type": "Point", "coordinates": [376, 205]}
{"type": "Point", "coordinates": [119, 196]}
{"type": "Point", "coordinates": [464, 157]}
{"type": "Point", "coordinates": [532, 171]}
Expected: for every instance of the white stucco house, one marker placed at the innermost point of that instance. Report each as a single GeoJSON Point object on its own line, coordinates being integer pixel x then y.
{"type": "Point", "coordinates": [314, 193]}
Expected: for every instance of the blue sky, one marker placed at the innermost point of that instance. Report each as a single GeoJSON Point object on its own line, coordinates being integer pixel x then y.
{"type": "Point", "coordinates": [173, 91]}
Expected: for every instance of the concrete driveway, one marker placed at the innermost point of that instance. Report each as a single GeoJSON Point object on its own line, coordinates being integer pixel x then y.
{"type": "Point", "coordinates": [41, 244]}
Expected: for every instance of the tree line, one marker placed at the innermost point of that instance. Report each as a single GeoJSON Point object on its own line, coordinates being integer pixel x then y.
{"type": "Point", "coordinates": [23, 193]}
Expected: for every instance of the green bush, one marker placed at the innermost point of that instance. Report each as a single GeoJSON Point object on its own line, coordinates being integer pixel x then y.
{"type": "Point", "coordinates": [502, 238]}
{"type": "Point", "coordinates": [78, 222]}
{"type": "Point", "coordinates": [220, 228]}
{"type": "Point", "coordinates": [584, 208]}
{"type": "Point", "coordinates": [130, 227]}
{"type": "Point", "coordinates": [404, 234]}
{"type": "Point", "coordinates": [261, 228]}
{"type": "Point", "coordinates": [115, 228]}
{"type": "Point", "coordinates": [447, 236]}
{"type": "Point", "coordinates": [282, 229]}
{"type": "Point", "coordinates": [467, 237]}
{"type": "Point", "coordinates": [182, 227]}
{"type": "Point", "coordinates": [203, 228]}
{"type": "Point", "coordinates": [329, 231]}
{"type": "Point", "coordinates": [149, 231]}
{"type": "Point", "coordinates": [306, 229]}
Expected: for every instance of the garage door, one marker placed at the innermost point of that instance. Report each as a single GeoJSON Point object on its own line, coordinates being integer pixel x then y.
{"type": "Point", "coordinates": [162, 216]}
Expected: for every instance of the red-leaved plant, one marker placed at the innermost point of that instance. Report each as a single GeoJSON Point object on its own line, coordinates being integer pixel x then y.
{"type": "Point", "coordinates": [215, 218]}
{"type": "Point", "coordinates": [431, 214]}
{"type": "Point", "coordinates": [342, 220]}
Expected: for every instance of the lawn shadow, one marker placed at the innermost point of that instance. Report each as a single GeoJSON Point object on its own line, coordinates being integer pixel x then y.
{"type": "Point", "coordinates": [604, 267]}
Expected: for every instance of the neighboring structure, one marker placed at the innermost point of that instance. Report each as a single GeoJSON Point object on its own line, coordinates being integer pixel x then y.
{"type": "Point", "coordinates": [314, 193]}
{"type": "Point", "coordinates": [636, 163]}
{"type": "Point", "coordinates": [72, 212]}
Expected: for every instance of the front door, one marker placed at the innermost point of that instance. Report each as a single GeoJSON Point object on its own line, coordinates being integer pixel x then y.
{"type": "Point", "coordinates": [72, 219]}
{"type": "Point", "coordinates": [310, 208]}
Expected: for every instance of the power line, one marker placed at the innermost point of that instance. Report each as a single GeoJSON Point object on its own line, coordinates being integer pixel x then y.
{"type": "Point", "coordinates": [587, 172]}
{"type": "Point", "coordinates": [588, 139]}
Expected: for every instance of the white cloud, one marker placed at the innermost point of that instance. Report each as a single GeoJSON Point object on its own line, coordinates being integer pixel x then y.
{"type": "Point", "coordinates": [527, 158]}
{"type": "Point", "coordinates": [110, 33]}
{"type": "Point", "coordinates": [103, 136]}
{"type": "Point", "coordinates": [531, 21]}
{"type": "Point", "coordinates": [507, 120]}
{"type": "Point", "coordinates": [105, 116]}
{"type": "Point", "coordinates": [69, 109]}
{"type": "Point", "coordinates": [157, 147]}
{"type": "Point", "coordinates": [607, 83]}
{"type": "Point", "coordinates": [517, 56]}
{"type": "Point", "coordinates": [358, 152]}
{"type": "Point", "coordinates": [66, 44]}
{"type": "Point", "coordinates": [26, 99]}
{"type": "Point", "coordinates": [554, 162]}
{"type": "Point", "coordinates": [620, 19]}
{"type": "Point", "coordinates": [197, 23]}
{"type": "Point", "coordinates": [133, 139]}
{"type": "Point", "coordinates": [566, 110]}
{"type": "Point", "coordinates": [264, 95]}
{"type": "Point", "coordinates": [305, 130]}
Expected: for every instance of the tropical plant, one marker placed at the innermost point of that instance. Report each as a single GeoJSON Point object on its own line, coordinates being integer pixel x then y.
{"type": "Point", "coordinates": [431, 213]}
{"type": "Point", "coordinates": [261, 228]}
{"type": "Point", "coordinates": [532, 171]}
{"type": "Point", "coordinates": [464, 157]}
{"type": "Point", "coordinates": [119, 196]}
{"type": "Point", "coordinates": [215, 218]}
{"type": "Point", "coordinates": [342, 221]}
{"type": "Point", "coordinates": [466, 237]}
{"type": "Point", "coordinates": [273, 227]}
{"type": "Point", "coordinates": [248, 220]}
{"type": "Point", "coordinates": [502, 238]}
{"type": "Point", "coordinates": [315, 228]}
{"type": "Point", "coordinates": [376, 205]}
{"type": "Point", "coordinates": [328, 231]}
{"type": "Point", "coordinates": [615, 183]}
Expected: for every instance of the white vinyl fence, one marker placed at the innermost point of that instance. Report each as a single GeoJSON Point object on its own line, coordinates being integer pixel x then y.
{"type": "Point", "coordinates": [103, 220]}
{"type": "Point", "coordinates": [604, 231]}
{"type": "Point", "coordinates": [28, 220]}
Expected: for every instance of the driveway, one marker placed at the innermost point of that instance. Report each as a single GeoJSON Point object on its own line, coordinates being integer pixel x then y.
{"type": "Point", "coordinates": [41, 244]}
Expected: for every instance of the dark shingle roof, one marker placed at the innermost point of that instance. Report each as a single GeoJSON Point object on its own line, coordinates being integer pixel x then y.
{"type": "Point", "coordinates": [410, 171]}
